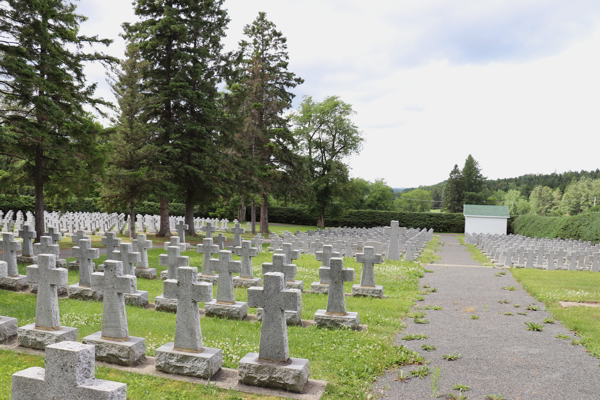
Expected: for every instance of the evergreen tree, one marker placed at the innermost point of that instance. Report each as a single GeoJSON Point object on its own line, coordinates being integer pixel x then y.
{"type": "Point", "coordinates": [43, 84]}
{"type": "Point", "coordinates": [453, 191]}
{"type": "Point", "coordinates": [472, 180]}
{"type": "Point", "coordinates": [266, 131]}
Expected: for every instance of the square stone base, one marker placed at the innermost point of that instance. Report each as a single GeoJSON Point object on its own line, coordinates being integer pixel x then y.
{"type": "Point", "coordinates": [232, 311]}
{"type": "Point", "coordinates": [318, 287]}
{"type": "Point", "coordinates": [8, 328]}
{"type": "Point", "coordinates": [128, 352]}
{"type": "Point", "coordinates": [138, 299]}
{"type": "Point", "coordinates": [350, 320]}
{"type": "Point", "coordinates": [245, 282]}
{"type": "Point", "coordinates": [74, 266]}
{"type": "Point", "coordinates": [145, 273]}
{"type": "Point", "coordinates": [292, 376]}
{"type": "Point", "coordinates": [33, 338]}
{"type": "Point", "coordinates": [164, 274]}
{"type": "Point", "coordinates": [164, 304]}
{"type": "Point", "coordinates": [27, 259]}
{"type": "Point", "coordinates": [84, 293]}
{"type": "Point", "coordinates": [367, 291]}
{"type": "Point", "coordinates": [15, 283]}
{"type": "Point", "coordinates": [214, 279]}
{"type": "Point", "coordinates": [291, 317]}
{"type": "Point", "coordinates": [201, 365]}
{"type": "Point", "coordinates": [60, 290]}
{"type": "Point", "coordinates": [61, 263]}
{"type": "Point", "coordinates": [295, 285]}
{"type": "Point", "coordinates": [99, 268]}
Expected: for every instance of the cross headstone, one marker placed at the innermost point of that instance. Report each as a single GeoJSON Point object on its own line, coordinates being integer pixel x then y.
{"type": "Point", "coordinates": [225, 267]}
{"type": "Point", "coordinates": [368, 258]}
{"type": "Point", "coordinates": [47, 277]}
{"type": "Point", "coordinates": [290, 255]}
{"type": "Point", "coordinates": [127, 257]}
{"type": "Point", "coordinates": [208, 229]}
{"type": "Point", "coordinates": [52, 232]}
{"type": "Point", "coordinates": [219, 240]}
{"type": "Point", "coordinates": [274, 299]}
{"type": "Point", "coordinates": [78, 236]}
{"type": "Point", "coordinates": [111, 242]}
{"type": "Point", "coordinates": [27, 236]}
{"type": "Point", "coordinates": [208, 249]}
{"type": "Point", "coordinates": [173, 260]}
{"type": "Point", "coordinates": [175, 241]}
{"type": "Point", "coordinates": [336, 275]}
{"type": "Point", "coordinates": [85, 254]}
{"type": "Point", "coordinates": [142, 245]}
{"type": "Point", "coordinates": [10, 248]}
{"type": "Point", "coordinates": [45, 246]}
{"type": "Point", "coordinates": [181, 227]}
{"type": "Point", "coordinates": [237, 231]}
{"type": "Point", "coordinates": [393, 248]}
{"type": "Point", "coordinates": [279, 265]}
{"type": "Point", "coordinates": [69, 374]}
{"type": "Point", "coordinates": [246, 253]}
{"type": "Point", "coordinates": [326, 254]}
{"type": "Point", "coordinates": [188, 292]}
{"type": "Point", "coordinates": [114, 284]}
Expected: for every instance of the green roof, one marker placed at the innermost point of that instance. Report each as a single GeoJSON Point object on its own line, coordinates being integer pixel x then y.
{"type": "Point", "coordinates": [486, 211]}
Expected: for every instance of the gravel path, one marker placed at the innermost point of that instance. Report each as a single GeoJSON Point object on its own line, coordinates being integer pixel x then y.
{"type": "Point", "coordinates": [498, 355]}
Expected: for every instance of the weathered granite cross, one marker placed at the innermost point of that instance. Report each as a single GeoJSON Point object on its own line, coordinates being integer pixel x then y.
{"type": "Point", "coordinates": [142, 245]}
{"type": "Point", "coordinates": [111, 242]}
{"type": "Point", "coordinates": [237, 231]}
{"type": "Point", "coordinates": [113, 284]}
{"type": "Point", "coordinates": [394, 249]}
{"type": "Point", "coordinates": [78, 236]}
{"type": "Point", "coordinates": [225, 267]}
{"type": "Point", "coordinates": [336, 275]}
{"type": "Point", "coordinates": [69, 374]}
{"type": "Point", "coordinates": [181, 227]}
{"type": "Point", "coordinates": [27, 236]}
{"type": "Point", "coordinates": [85, 254]}
{"type": "Point", "coordinates": [52, 232]}
{"type": "Point", "coordinates": [173, 260]}
{"type": "Point", "coordinates": [326, 254]}
{"type": "Point", "coordinates": [367, 258]}
{"type": "Point", "coordinates": [246, 253]}
{"type": "Point", "coordinates": [208, 249]}
{"type": "Point", "coordinates": [188, 292]}
{"type": "Point", "coordinates": [208, 229]}
{"type": "Point", "coordinates": [279, 265]}
{"type": "Point", "coordinates": [10, 248]}
{"type": "Point", "coordinates": [274, 299]}
{"type": "Point", "coordinates": [46, 247]}
{"type": "Point", "coordinates": [290, 255]}
{"type": "Point", "coordinates": [175, 241]}
{"type": "Point", "coordinates": [127, 257]}
{"type": "Point", "coordinates": [47, 277]}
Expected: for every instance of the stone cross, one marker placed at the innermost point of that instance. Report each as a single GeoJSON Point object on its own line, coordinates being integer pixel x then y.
{"type": "Point", "coordinates": [595, 262]}
{"type": "Point", "coordinates": [27, 236]}
{"type": "Point", "coordinates": [225, 267]}
{"type": "Point", "coordinates": [279, 265]}
{"type": "Point", "coordinates": [274, 299]}
{"type": "Point", "coordinates": [127, 257]}
{"type": "Point", "coordinates": [142, 245]}
{"type": "Point", "coordinates": [336, 275]}
{"type": "Point", "coordinates": [85, 254]}
{"type": "Point", "coordinates": [394, 249]}
{"type": "Point", "coordinates": [114, 284]}
{"type": "Point", "coordinates": [175, 241]}
{"type": "Point", "coordinates": [208, 249]}
{"type": "Point", "coordinates": [326, 254]}
{"type": "Point", "coordinates": [572, 260]}
{"type": "Point", "coordinates": [246, 254]}
{"type": "Point", "coordinates": [173, 260]}
{"type": "Point", "coordinates": [530, 258]}
{"type": "Point", "coordinates": [10, 248]}
{"type": "Point", "coordinates": [111, 242]}
{"type": "Point", "coordinates": [219, 240]}
{"type": "Point", "coordinates": [46, 247]}
{"type": "Point", "coordinates": [47, 277]}
{"type": "Point", "coordinates": [237, 231]}
{"type": "Point", "coordinates": [208, 229]}
{"type": "Point", "coordinates": [188, 292]}
{"type": "Point", "coordinates": [181, 227]}
{"type": "Point", "coordinates": [69, 374]}
{"type": "Point", "coordinates": [367, 258]}
{"type": "Point", "coordinates": [53, 234]}
{"type": "Point", "coordinates": [78, 236]}
{"type": "Point", "coordinates": [290, 255]}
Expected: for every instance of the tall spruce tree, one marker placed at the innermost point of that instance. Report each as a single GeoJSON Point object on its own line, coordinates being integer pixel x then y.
{"type": "Point", "coordinates": [266, 132]}
{"type": "Point", "coordinates": [44, 87]}
{"type": "Point", "coordinates": [453, 191]}
{"type": "Point", "coordinates": [181, 40]}
{"type": "Point", "coordinates": [472, 179]}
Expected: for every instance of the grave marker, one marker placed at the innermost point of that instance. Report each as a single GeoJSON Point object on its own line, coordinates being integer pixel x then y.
{"type": "Point", "coordinates": [336, 314]}
{"type": "Point", "coordinates": [367, 286]}
{"type": "Point", "coordinates": [225, 304]}
{"type": "Point", "coordinates": [246, 253]}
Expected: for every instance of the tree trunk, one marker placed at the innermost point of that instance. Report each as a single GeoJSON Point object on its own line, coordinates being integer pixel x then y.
{"type": "Point", "coordinates": [321, 221]}
{"type": "Point", "coordinates": [242, 211]}
{"type": "Point", "coordinates": [264, 215]}
{"type": "Point", "coordinates": [39, 194]}
{"type": "Point", "coordinates": [253, 215]}
{"type": "Point", "coordinates": [164, 231]}
{"type": "Point", "coordinates": [189, 213]}
{"type": "Point", "coordinates": [132, 233]}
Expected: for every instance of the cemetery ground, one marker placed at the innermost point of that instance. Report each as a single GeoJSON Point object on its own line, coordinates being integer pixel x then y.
{"type": "Point", "coordinates": [349, 360]}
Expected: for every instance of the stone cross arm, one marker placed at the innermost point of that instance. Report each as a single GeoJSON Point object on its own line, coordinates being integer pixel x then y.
{"type": "Point", "coordinates": [288, 299]}
{"type": "Point", "coordinates": [347, 274]}
{"type": "Point", "coordinates": [123, 283]}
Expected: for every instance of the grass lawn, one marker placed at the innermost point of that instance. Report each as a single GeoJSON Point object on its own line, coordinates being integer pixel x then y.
{"type": "Point", "coordinates": [349, 360]}
{"type": "Point", "coordinates": [476, 254]}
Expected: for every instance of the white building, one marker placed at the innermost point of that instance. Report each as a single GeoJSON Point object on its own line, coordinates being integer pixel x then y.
{"type": "Point", "coordinates": [486, 219]}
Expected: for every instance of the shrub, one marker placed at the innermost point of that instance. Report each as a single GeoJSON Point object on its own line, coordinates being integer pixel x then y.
{"type": "Point", "coordinates": [580, 227]}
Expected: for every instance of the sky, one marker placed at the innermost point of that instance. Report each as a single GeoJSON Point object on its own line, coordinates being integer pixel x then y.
{"type": "Point", "coordinates": [514, 83]}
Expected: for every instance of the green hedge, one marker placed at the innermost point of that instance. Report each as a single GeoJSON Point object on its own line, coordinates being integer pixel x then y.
{"type": "Point", "coordinates": [580, 227]}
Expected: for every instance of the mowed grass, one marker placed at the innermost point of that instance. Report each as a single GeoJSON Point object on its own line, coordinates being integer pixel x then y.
{"type": "Point", "coordinates": [550, 287]}
{"type": "Point", "coordinates": [476, 254]}
{"type": "Point", "coordinates": [349, 360]}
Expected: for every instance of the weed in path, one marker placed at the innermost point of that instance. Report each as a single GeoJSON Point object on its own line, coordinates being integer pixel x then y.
{"type": "Point", "coordinates": [416, 315]}
{"type": "Point", "coordinates": [419, 298]}
{"type": "Point", "coordinates": [516, 305]}
{"type": "Point", "coordinates": [474, 317]}
{"type": "Point", "coordinates": [451, 357]}
{"type": "Point", "coordinates": [532, 307]}
{"type": "Point", "coordinates": [522, 313]}
{"type": "Point", "coordinates": [508, 313]}
{"type": "Point", "coordinates": [549, 320]}
{"type": "Point", "coordinates": [428, 347]}
{"type": "Point", "coordinates": [460, 388]}
{"type": "Point", "coordinates": [421, 321]}
{"type": "Point", "coordinates": [511, 288]}
{"type": "Point", "coordinates": [428, 271]}
{"type": "Point", "coordinates": [564, 337]}
{"type": "Point", "coordinates": [532, 326]}
{"type": "Point", "coordinates": [435, 382]}
{"type": "Point", "coordinates": [402, 376]}
{"type": "Point", "coordinates": [493, 397]}
{"type": "Point", "coordinates": [421, 372]}
{"type": "Point", "coordinates": [436, 308]}
{"type": "Point", "coordinates": [415, 337]}
{"type": "Point", "coordinates": [503, 301]}
{"type": "Point", "coordinates": [452, 396]}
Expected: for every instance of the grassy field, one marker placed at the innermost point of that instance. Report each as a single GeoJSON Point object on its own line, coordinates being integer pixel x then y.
{"type": "Point", "coordinates": [349, 360]}
{"type": "Point", "coordinates": [476, 254]}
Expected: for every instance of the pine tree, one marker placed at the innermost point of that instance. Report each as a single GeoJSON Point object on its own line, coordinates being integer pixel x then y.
{"type": "Point", "coordinates": [44, 87]}
{"type": "Point", "coordinates": [453, 191]}
{"type": "Point", "coordinates": [472, 180]}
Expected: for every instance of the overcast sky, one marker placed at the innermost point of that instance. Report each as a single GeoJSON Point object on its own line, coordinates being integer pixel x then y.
{"type": "Point", "coordinates": [515, 83]}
